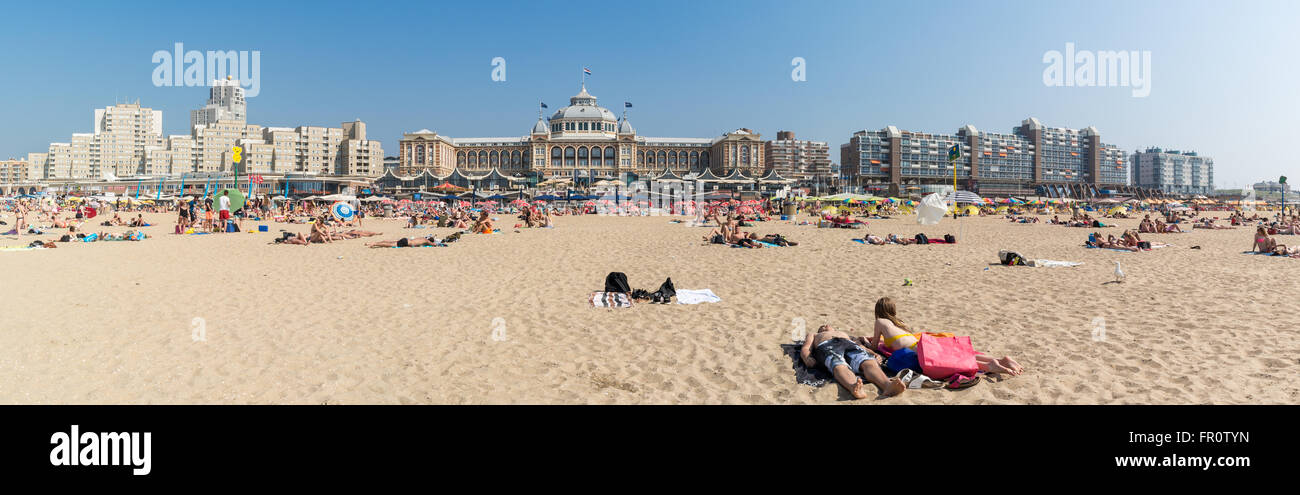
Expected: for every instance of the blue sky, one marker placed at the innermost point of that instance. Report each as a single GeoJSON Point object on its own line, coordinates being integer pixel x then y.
{"type": "Point", "coordinates": [1223, 79]}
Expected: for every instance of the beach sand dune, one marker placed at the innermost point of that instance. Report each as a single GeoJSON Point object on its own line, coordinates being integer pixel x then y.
{"type": "Point", "coordinates": [503, 318]}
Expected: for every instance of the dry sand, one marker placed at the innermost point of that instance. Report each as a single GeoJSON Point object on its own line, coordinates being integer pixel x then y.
{"type": "Point", "coordinates": [114, 322]}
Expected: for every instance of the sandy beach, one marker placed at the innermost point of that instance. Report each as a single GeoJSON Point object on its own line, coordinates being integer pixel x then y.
{"type": "Point", "coordinates": [115, 322]}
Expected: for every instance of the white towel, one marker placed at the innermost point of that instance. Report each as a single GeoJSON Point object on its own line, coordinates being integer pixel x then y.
{"type": "Point", "coordinates": [1052, 263]}
{"type": "Point", "coordinates": [696, 296]}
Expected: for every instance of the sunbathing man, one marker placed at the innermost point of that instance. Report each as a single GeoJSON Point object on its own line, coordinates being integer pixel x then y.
{"type": "Point", "coordinates": [893, 238]}
{"type": "Point", "coordinates": [898, 336]}
{"type": "Point", "coordinates": [839, 354]}
{"type": "Point", "coordinates": [428, 240]}
{"type": "Point", "coordinates": [484, 224]}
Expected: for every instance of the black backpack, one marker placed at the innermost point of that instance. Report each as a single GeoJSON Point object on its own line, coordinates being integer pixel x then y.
{"type": "Point", "coordinates": [948, 238]}
{"type": "Point", "coordinates": [922, 239]}
{"type": "Point", "coordinates": [617, 282]}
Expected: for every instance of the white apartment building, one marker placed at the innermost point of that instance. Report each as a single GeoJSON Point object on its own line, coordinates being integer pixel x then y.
{"type": "Point", "coordinates": [1173, 172]}
{"type": "Point", "coordinates": [225, 103]}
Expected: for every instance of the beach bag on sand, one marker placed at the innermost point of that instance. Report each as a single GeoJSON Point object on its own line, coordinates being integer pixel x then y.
{"type": "Point", "coordinates": [1011, 258]}
{"type": "Point", "coordinates": [617, 282]}
{"type": "Point", "coordinates": [942, 357]}
{"type": "Point", "coordinates": [949, 238]}
{"type": "Point", "coordinates": [922, 239]}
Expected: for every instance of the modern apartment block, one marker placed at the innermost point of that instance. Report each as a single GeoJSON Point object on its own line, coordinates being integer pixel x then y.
{"type": "Point", "coordinates": [1033, 158]}
{"type": "Point", "coordinates": [797, 159]}
{"type": "Point", "coordinates": [1173, 171]}
{"type": "Point", "coordinates": [225, 103]}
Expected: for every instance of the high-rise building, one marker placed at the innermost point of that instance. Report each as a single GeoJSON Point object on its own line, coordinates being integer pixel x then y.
{"type": "Point", "coordinates": [1032, 158]}
{"type": "Point", "coordinates": [225, 103]}
{"type": "Point", "coordinates": [122, 133]}
{"type": "Point", "coordinates": [359, 156]}
{"type": "Point", "coordinates": [1173, 171]}
{"type": "Point", "coordinates": [797, 159]}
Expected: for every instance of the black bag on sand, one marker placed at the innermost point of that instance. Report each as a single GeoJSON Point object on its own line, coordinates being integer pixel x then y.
{"type": "Point", "coordinates": [617, 282]}
{"type": "Point", "coordinates": [666, 292]}
{"type": "Point", "coordinates": [948, 238]}
{"type": "Point", "coordinates": [922, 239]}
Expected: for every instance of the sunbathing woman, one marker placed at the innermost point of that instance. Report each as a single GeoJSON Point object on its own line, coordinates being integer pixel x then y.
{"type": "Point", "coordinates": [319, 234]}
{"type": "Point", "coordinates": [874, 239]}
{"type": "Point", "coordinates": [892, 332]}
{"type": "Point", "coordinates": [778, 239]}
{"type": "Point", "coordinates": [428, 240]}
{"type": "Point", "coordinates": [1263, 243]}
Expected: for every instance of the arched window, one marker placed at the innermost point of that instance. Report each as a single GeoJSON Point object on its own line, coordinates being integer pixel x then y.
{"type": "Point", "coordinates": [640, 157]}
{"type": "Point", "coordinates": [663, 158]}
{"type": "Point", "coordinates": [483, 158]}
{"type": "Point", "coordinates": [494, 159]}
{"type": "Point", "coordinates": [582, 157]}
{"type": "Point", "coordinates": [555, 156]}
{"type": "Point", "coordinates": [672, 159]}
{"type": "Point", "coordinates": [460, 158]}
{"type": "Point", "coordinates": [695, 159]}
{"type": "Point", "coordinates": [473, 159]}
{"type": "Point", "coordinates": [516, 158]}
{"type": "Point", "coordinates": [650, 159]}
{"type": "Point", "coordinates": [568, 156]}
{"type": "Point", "coordinates": [609, 156]}
{"type": "Point", "coordinates": [704, 159]}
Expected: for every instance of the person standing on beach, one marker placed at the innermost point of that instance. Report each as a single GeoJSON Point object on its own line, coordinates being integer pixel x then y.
{"type": "Point", "coordinates": [224, 209]}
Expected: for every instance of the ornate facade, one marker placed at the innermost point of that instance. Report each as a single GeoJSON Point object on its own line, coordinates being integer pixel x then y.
{"type": "Point", "coordinates": [582, 140]}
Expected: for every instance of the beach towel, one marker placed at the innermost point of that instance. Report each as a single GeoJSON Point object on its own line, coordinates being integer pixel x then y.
{"type": "Point", "coordinates": [610, 300]}
{"type": "Point", "coordinates": [696, 296]}
{"type": "Point", "coordinates": [812, 377]}
{"type": "Point", "coordinates": [768, 244]}
{"type": "Point", "coordinates": [1052, 263]}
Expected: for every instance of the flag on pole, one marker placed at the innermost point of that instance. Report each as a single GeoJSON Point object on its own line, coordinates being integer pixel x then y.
{"type": "Point", "coordinates": [544, 105]}
{"type": "Point", "coordinates": [586, 71]}
{"type": "Point", "coordinates": [627, 104]}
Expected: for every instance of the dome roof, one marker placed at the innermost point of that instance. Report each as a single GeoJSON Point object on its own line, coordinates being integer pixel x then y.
{"type": "Point", "coordinates": [583, 106]}
{"type": "Point", "coordinates": [625, 127]}
{"type": "Point", "coordinates": [540, 128]}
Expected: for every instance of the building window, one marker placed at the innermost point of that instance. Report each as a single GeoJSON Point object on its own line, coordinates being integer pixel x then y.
{"type": "Point", "coordinates": [582, 157]}
{"type": "Point", "coordinates": [568, 156]}
{"type": "Point", "coordinates": [516, 158]}
{"type": "Point", "coordinates": [704, 159]}
{"type": "Point", "coordinates": [695, 159]}
{"type": "Point", "coordinates": [609, 156]}
{"type": "Point", "coordinates": [555, 156]}
{"type": "Point", "coordinates": [663, 157]}
{"type": "Point", "coordinates": [494, 159]}
{"type": "Point", "coordinates": [640, 157]}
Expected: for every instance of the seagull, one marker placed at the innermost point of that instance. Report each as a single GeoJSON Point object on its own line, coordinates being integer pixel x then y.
{"type": "Point", "coordinates": [1119, 273]}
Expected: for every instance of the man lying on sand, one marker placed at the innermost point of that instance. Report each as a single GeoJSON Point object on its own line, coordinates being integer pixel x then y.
{"type": "Point", "coordinates": [841, 355]}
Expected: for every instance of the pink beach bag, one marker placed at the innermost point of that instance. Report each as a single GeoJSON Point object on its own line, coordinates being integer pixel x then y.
{"type": "Point", "coordinates": [942, 357]}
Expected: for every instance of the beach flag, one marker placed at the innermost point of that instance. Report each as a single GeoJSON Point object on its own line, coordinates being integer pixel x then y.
{"type": "Point", "coordinates": [586, 71]}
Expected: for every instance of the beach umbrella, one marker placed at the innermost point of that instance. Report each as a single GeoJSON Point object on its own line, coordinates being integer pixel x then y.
{"type": "Point", "coordinates": [962, 197]}
{"type": "Point", "coordinates": [342, 210]}
{"type": "Point", "coordinates": [236, 198]}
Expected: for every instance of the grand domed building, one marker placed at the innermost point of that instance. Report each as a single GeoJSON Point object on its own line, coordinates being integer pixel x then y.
{"type": "Point", "coordinates": [583, 140]}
